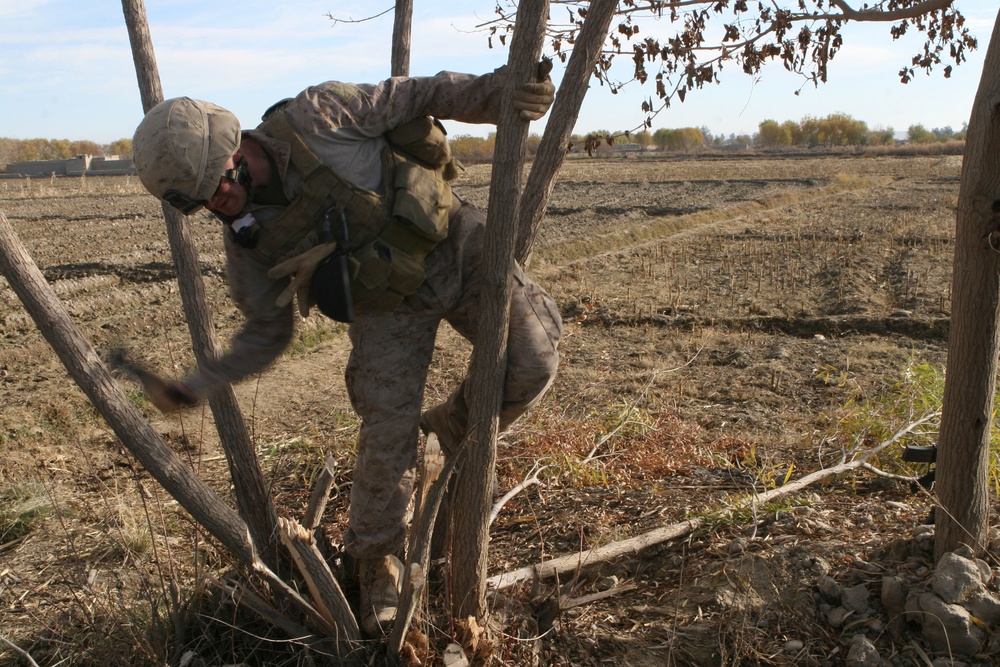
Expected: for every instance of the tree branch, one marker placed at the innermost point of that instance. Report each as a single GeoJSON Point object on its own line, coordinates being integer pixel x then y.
{"type": "Point", "coordinates": [876, 15]}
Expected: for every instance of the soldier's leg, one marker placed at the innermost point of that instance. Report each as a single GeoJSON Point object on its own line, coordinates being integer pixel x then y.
{"type": "Point", "coordinates": [533, 337]}
{"type": "Point", "coordinates": [532, 359]}
{"type": "Point", "coordinates": [385, 381]}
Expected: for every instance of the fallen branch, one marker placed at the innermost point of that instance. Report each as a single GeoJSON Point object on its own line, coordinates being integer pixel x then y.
{"type": "Point", "coordinates": [320, 495]}
{"type": "Point", "coordinates": [506, 498]}
{"type": "Point", "coordinates": [20, 651]}
{"type": "Point", "coordinates": [609, 552]}
{"type": "Point", "coordinates": [631, 409]}
{"type": "Point", "coordinates": [568, 603]}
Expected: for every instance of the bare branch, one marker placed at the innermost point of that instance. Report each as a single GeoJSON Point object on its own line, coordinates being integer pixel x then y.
{"type": "Point", "coordinates": [911, 12]}
{"type": "Point", "coordinates": [530, 480]}
{"type": "Point", "coordinates": [320, 495]}
{"type": "Point", "coordinates": [24, 654]}
{"type": "Point", "coordinates": [367, 18]}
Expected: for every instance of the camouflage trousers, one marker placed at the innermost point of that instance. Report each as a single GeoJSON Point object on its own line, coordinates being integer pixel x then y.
{"type": "Point", "coordinates": [387, 371]}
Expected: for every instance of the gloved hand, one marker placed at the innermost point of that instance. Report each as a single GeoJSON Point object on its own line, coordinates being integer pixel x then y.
{"type": "Point", "coordinates": [301, 268]}
{"type": "Point", "coordinates": [166, 395]}
{"type": "Point", "coordinates": [532, 100]}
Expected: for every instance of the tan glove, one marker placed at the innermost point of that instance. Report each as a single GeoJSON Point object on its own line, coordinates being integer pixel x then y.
{"type": "Point", "coordinates": [532, 100]}
{"type": "Point", "coordinates": [166, 395]}
{"type": "Point", "coordinates": [301, 268]}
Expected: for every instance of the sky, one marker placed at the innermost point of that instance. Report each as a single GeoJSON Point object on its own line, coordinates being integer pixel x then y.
{"type": "Point", "coordinates": [66, 70]}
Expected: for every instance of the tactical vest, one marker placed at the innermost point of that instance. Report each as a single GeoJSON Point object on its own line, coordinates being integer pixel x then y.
{"type": "Point", "coordinates": [389, 235]}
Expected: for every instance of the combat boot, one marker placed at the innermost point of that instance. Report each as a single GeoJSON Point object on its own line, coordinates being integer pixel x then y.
{"type": "Point", "coordinates": [378, 580]}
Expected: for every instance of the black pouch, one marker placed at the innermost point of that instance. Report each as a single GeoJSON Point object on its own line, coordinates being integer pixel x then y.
{"type": "Point", "coordinates": [330, 288]}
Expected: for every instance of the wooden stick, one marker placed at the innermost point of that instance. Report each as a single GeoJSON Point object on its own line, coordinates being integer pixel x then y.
{"type": "Point", "coordinates": [506, 498]}
{"type": "Point", "coordinates": [327, 597]}
{"type": "Point", "coordinates": [434, 475]}
{"type": "Point", "coordinates": [244, 596]}
{"type": "Point", "coordinates": [320, 495]}
{"type": "Point", "coordinates": [568, 603]}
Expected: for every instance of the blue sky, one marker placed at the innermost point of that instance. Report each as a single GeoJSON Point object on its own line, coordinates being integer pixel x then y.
{"type": "Point", "coordinates": [66, 69]}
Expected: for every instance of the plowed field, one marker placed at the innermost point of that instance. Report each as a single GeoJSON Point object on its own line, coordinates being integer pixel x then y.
{"type": "Point", "coordinates": [724, 317]}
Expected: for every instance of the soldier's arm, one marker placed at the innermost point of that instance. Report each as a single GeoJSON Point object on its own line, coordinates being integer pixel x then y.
{"type": "Point", "coordinates": [267, 332]}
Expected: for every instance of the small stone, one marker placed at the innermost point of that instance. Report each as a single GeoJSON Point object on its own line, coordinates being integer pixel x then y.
{"type": "Point", "coordinates": [862, 653]}
{"type": "Point", "coordinates": [793, 646]}
{"type": "Point", "coordinates": [856, 598]}
{"type": "Point", "coordinates": [737, 546]}
{"type": "Point", "coordinates": [836, 616]}
{"type": "Point", "coordinates": [829, 588]}
{"type": "Point", "coordinates": [606, 583]}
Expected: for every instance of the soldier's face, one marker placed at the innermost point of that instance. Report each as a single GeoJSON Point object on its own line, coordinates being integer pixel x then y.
{"type": "Point", "coordinates": [230, 197]}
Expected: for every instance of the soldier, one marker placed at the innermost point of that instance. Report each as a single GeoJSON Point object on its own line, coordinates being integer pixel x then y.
{"type": "Point", "coordinates": [340, 198]}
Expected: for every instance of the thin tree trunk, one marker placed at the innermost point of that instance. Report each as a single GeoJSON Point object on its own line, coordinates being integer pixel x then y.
{"type": "Point", "coordinates": [489, 356]}
{"type": "Point", "coordinates": [963, 452]}
{"type": "Point", "coordinates": [131, 427]}
{"type": "Point", "coordinates": [401, 38]}
{"type": "Point", "coordinates": [252, 496]}
{"type": "Point", "coordinates": [562, 119]}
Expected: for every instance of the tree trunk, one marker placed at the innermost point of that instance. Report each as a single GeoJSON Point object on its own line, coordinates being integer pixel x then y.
{"type": "Point", "coordinates": [252, 497]}
{"type": "Point", "coordinates": [963, 444]}
{"type": "Point", "coordinates": [562, 119]}
{"type": "Point", "coordinates": [86, 368]}
{"type": "Point", "coordinates": [401, 38]}
{"type": "Point", "coordinates": [489, 356]}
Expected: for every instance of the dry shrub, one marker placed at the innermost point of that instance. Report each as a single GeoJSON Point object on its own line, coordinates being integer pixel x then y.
{"type": "Point", "coordinates": [627, 447]}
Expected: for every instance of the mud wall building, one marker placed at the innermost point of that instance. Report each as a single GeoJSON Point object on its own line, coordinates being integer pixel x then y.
{"type": "Point", "coordinates": [81, 165]}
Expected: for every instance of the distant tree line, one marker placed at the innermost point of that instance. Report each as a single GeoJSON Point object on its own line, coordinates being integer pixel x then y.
{"type": "Point", "coordinates": [842, 130]}
{"type": "Point", "coordinates": [833, 130]}
{"type": "Point", "coordinates": [24, 150]}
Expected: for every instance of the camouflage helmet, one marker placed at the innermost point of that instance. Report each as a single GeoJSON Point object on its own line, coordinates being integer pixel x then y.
{"type": "Point", "coordinates": [182, 146]}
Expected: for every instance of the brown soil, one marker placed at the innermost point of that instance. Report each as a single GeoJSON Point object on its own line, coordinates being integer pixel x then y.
{"type": "Point", "coordinates": [724, 310]}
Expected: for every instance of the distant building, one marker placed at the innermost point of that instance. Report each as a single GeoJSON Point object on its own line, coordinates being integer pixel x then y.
{"type": "Point", "coordinates": [81, 165]}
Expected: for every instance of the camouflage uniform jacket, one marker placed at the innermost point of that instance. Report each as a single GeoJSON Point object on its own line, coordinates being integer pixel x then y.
{"type": "Point", "coordinates": [343, 124]}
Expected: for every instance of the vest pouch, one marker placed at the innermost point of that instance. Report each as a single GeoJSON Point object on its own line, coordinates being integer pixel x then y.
{"type": "Point", "coordinates": [371, 266]}
{"type": "Point", "coordinates": [407, 273]}
{"type": "Point", "coordinates": [424, 138]}
{"type": "Point", "coordinates": [422, 198]}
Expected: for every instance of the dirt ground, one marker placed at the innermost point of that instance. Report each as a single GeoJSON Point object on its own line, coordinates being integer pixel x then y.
{"type": "Point", "coordinates": [727, 320]}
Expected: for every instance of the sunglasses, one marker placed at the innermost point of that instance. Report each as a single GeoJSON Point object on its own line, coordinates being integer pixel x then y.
{"type": "Point", "coordinates": [183, 203]}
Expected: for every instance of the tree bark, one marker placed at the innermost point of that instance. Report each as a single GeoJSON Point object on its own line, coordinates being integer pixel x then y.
{"type": "Point", "coordinates": [489, 356]}
{"type": "Point", "coordinates": [135, 432]}
{"type": "Point", "coordinates": [401, 38]}
{"type": "Point", "coordinates": [552, 149]}
{"type": "Point", "coordinates": [252, 496]}
{"type": "Point", "coordinates": [963, 442]}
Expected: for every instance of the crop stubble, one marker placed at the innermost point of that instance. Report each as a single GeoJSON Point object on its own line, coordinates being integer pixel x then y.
{"type": "Point", "coordinates": [720, 290]}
